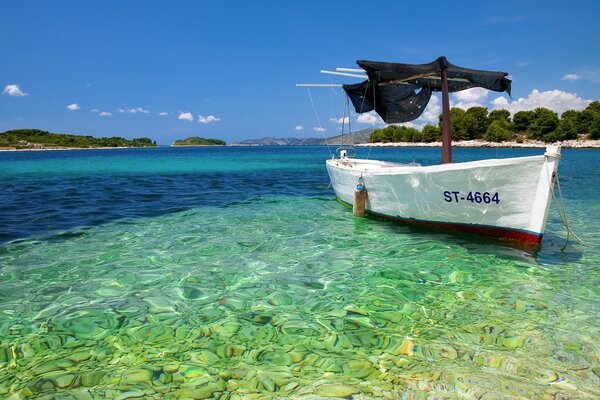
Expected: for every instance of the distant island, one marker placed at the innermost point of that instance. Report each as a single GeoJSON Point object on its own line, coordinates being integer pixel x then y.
{"type": "Point", "coordinates": [36, 139]}
{"type": "Point", "coordinates": [361, 136]}
{"type": "Point", "coordinates": [198, 141]}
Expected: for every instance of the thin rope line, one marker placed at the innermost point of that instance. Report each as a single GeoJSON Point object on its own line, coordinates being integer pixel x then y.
{"type": "Point", "coordinates": [563, 215]}
{"type": "Point", "coordinates": [319, 121]}
{"type": "Point", "coordinates": [347, 109]}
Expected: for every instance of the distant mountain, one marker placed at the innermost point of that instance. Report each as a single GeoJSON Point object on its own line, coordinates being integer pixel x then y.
{"type": "Point", "coordinates": [353, 138]}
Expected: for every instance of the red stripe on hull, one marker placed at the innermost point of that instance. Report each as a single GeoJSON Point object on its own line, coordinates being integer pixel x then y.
{"type": "Point", "coordinates": [500, 233]}
{"type": "Point", "coordinates": [525, 238]}
{"type": "Point", "coordinates": [490, 231]}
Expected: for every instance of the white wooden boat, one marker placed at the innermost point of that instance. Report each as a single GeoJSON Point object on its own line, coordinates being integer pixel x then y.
{"type": "Point", "coordinates": [503, 198]}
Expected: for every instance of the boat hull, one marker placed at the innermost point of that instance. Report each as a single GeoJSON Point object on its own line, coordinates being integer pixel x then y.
{"type": "Point", "coordinates": [502, 198]}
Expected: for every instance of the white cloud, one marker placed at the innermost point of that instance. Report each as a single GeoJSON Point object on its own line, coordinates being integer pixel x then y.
{"type": "Point", "coordinates": [474, 97]}
{"type": "Point", "coordinates": [319, 129]}
{"type": "Point", "coordinates": [555, 100]}
{"type": "Point", "coordinates": [186, 116]}
{"type": "Point", "coordinates": [105, 114]}
{"type": "Point", "coordinates": [496, 19]}
{"type": "Point", "coordinates": [370, 118]}
{"type": "Point", "coordinates": [14, 90]}
{"type": "Point", "coordinates": [208, 119]}
{"type": "Point", "coordinates": [342, 120]}
{"type": "Point", "coordinates": [162, 114]}
{"type": "Point", "coordinates": [133, 110]}
{"type": "Point", "coordinates": [95, 110]}
{"type": "Point", "coordinates": [431, 113]}
{"type": "Point", "coordinates": [298, 128]}
{"type": "Point", "coordinates": [73, 107]}
{"type": "Point", "coordinates": [570, 77]}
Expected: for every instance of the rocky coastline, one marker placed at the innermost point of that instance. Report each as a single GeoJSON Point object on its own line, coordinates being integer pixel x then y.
{"type": "Point", "coordinates": [566, 144]}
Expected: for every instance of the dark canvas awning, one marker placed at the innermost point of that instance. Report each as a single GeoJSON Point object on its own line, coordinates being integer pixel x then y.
{"type": "Point", "coordinates": [400, 92]}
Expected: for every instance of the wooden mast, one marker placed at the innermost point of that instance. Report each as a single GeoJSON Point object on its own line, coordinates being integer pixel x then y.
{"type": "Point", "coordinates": [446, 131]}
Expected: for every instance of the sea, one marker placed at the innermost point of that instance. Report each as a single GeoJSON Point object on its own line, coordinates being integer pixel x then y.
{"type": "Point", "coordinates": [233, 273]}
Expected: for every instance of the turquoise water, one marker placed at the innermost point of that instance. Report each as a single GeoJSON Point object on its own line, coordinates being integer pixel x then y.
{"type": "Point", "coordinates": [233, 273]}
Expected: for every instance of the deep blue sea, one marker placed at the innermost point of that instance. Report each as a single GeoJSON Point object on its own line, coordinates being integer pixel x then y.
{"type": "Point", "coordinates": [233, 273]}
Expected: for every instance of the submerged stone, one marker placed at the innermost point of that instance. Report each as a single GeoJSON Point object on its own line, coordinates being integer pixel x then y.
{"type": "Point", "coordinates": [333, 390]}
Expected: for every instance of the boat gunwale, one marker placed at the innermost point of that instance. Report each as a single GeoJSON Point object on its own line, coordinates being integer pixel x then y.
{"type": "Point", "coordinates": [386, 168]}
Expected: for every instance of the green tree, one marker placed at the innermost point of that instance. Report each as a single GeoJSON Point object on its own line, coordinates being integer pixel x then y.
{"type": "Point", "coordinates": [456, 123]}
{"type": "Point", "coordinates": [499, 115]}
{"type": "Point", "coordinates": [498, 131]}
{"type": "Point", "coordinates": [431, 133]}
{"type": "Point", "coordinates": [595, 128]}
{"type": "Point", "coordinates": [477, 129]}
{"type": "Point", "coordinates": [545, 121]}
{"type": "Point", "coordinates": [522, 120]}
{"type": "Point", "coordinates": [566, 130]}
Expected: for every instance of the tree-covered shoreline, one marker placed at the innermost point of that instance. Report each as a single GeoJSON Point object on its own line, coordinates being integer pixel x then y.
{"type": "Point", "coordinates": [477, 123]}
{"type": "Point", "coordinates": [38, 139]}
{"type": "Point", "coordinates": [198, 141]}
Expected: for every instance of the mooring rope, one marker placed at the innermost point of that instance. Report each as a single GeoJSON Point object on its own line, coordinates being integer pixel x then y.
{"type": "Point", "coordinates": [563, 215]}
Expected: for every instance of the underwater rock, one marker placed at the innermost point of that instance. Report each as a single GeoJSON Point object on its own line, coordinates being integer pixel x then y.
{"type": "Point", "coordinates": [359, 369]}
{"type": "Point", "coordinates": [276, 357]}
{"type": "Point", "coordinates": [513, 342]}
{"type": "Point", "coordinates": [136, 376]}
{"type": "Point", "coordinates": [280, 299]}
{"type": "Point", "coordinates": [130, 394]}
{"type": "Point", "coordinates": [160, 305]}
{"type": "Point", "coordinates": [333, 390]}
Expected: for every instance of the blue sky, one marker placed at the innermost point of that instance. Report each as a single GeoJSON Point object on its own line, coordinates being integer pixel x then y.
{"type": "Point", "coordinates": [228, 69]}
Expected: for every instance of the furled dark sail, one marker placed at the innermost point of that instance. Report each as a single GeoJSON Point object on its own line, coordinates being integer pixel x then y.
{"type": "Point", "coordinates": [400, 92]}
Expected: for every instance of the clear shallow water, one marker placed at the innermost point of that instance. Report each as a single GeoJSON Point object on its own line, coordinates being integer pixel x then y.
{"type": "Point", "coordinates": [233, 272]}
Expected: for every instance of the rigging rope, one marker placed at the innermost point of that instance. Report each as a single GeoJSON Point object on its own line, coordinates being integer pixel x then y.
{"type": "Point", "coordinates": [319, 121]}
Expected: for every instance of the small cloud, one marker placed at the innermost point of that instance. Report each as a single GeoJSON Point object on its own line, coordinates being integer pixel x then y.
{"type": "Point", "coordinates": [14, 90]}
{"type": "Point", "coordinates": [370, 118]}
{"type": "Point", "coordinates": [298, 128]}
{"type": "Point", "coordinates": [186, 116]}
{"type": "Point", "coordinates": [571, 77]}
{"type": "Point", "coordinates": [496, 19]}
{"type": "Point", "coordinates": [207, 120]}
{"type": "Point", "coordinates": [342, 120]}
{"type": "Point", "coordinates": [73, 107]}
{"type": "Point", "coordinates": [105, 114]}
{"type": "Point", "coordinates": [431, 113]}
{"type": "Point", "coordinates": [319, 129]}
{"type": "Point", "coordinates": [523, 63]}
{"type": "Point", "coordinates": [555, 100]}
{"type": "Point", "coordinates": [162, 114]}
{"type": "Point", "coordinates": [95, 110]}
{"type": "Point", "coordinates": [133, 110]}
{"type": "Point", "coordinates": [474, 97]}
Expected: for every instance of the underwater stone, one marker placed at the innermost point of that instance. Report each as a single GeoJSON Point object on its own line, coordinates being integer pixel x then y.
{"type": "Point", "coordinates": [204, 357]}
{"type": "Point", "coordinates": [356, 310]}
{"type": "Point", "coordinates": [160, 304]}
{"type": "Point", "coordinates": [266, 382]}
{"type": "Point", "coordinates": [136, 376]}
{"type": "Point", "coordinates": [91, 378]}
{"type": "Point", "coordinates": [130, 394]}
{"type": "Point", "coordinates": [358, 369]}
{"type": "Point", "coordinates": [80, 356]}
{"type": "Point", "coordinates": [328, 390]}
{"type": "Point", "coordinates": [171, 367]}
{"type": "Point", "coordinates": [280, 299]}
{"type": "Point", "coordinates": [276, 357]}
{"type": "Point", "coordinates": [64, 380]}
{"type": "Point", "coordinates": [513, 342]}
{"type": "Point", "coordinates": [50, 366]}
